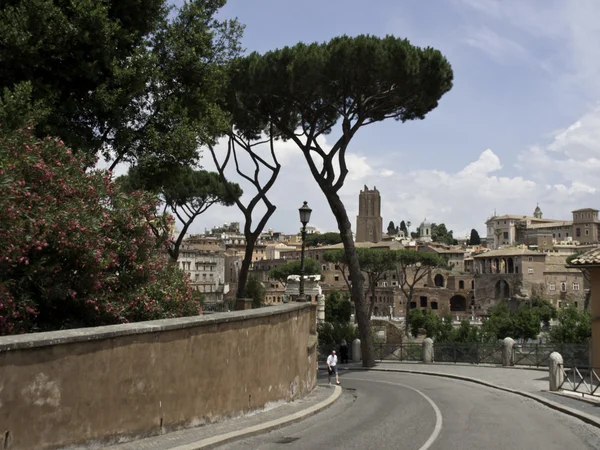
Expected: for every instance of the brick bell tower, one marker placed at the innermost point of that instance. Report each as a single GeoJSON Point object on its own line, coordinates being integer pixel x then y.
{"type": "Point", "coordinates": [369, 224]}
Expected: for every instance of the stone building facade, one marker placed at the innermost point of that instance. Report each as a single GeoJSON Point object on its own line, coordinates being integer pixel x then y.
{"type": "Point", "coordinates": [204, 263]}
{"type": "Point", "coordinates": [369, 224]}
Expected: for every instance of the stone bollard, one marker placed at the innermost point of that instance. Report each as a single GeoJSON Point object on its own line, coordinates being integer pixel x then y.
{"type": "Point", "coordinates": [356, 352]}
{"type": "Point", "coordinates": [427, 351]}
{"type": "Point", "coordinates": [508, 355]}
{"type": "Point", "coordinates": [557, 375]}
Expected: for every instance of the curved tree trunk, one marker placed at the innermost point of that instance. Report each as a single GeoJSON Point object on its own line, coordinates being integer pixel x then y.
{"type": "Point", "coordinates": [246, 262]}
{"type": "Point", "coordinates": [357, 291]}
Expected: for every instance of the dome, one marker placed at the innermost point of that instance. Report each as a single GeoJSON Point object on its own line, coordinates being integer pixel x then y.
{"type": "Point", "coordinates": [425, 223]}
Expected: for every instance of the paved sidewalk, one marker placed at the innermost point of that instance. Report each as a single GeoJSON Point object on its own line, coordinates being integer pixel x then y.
{"type": "Point", "coordinates": [214, 435]}
{"type": "Point", "coordinates": [525, 381]}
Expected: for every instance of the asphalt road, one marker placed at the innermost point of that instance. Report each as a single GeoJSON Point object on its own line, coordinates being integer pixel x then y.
{"type": "Point", "coordinates": [403, 411]}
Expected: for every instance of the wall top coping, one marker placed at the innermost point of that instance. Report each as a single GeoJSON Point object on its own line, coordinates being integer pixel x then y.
{"type": "Point", "coordinates": [33, 340]}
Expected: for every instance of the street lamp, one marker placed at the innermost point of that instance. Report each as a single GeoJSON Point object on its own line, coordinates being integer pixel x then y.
{"type": "Point", "coordinates": [304, 211]}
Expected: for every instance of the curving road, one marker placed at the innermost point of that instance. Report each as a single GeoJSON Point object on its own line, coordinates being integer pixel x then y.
{"type": "Point", "coordinates": [403, 411]}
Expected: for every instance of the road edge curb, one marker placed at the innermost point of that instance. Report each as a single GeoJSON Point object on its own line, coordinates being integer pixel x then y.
{"type": "Point", "coordinates": [214, 441]}
{"type": "Point", "coordinates": [587, 418]}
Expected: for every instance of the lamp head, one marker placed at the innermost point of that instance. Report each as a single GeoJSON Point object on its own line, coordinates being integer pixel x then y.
{"type": "Point", "coordinates": [304, 211]}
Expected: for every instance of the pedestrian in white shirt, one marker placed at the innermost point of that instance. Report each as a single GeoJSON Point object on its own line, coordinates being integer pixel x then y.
{"type": "Point", "coordinates": [332, 367]}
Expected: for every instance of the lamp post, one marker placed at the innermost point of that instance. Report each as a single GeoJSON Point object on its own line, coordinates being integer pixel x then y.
{"type": "Point", "coordinates": [304, 211]}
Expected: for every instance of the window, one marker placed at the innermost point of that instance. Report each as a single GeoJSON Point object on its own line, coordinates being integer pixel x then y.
{"type": "Point", "coordinates": [530, 270]}
{"type": "Point", "coordinates": [530, 259]}
{"type": "Point", "coordinates": [587, 232]}
{"type": "Point", "coordinates": [461, 284]}
{"type": "Point", "coordinates": [563, 286]}
{"type": "Point", "coordinates": [505, 235]}
{"type": "Point", "coordinates": [575, 285]}
{"type": "Point", "coordinates": [560, 304]}
{"type": "Point", "coordinates": [577, 232]}
{"type": "Point", "coordinates": [413, 305]}
{"type": "Point", "coordinates": [423, 301]}
{"type": "Point", "coordinates": [434, 305]}
{"type": "Point", "coordinates": [576, 304]}
{"type": "Point", "coordinates": [336, 278]}
{"type": "Point", "coordinates": [552, 286]}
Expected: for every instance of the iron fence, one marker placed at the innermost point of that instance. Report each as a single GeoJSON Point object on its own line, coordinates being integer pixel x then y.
{"type": "Point", "coordinates": [583, 380]}
{"type": "Point", "coordinates": [538, 355]}
{"type": "Point", "coordinates": [215, 307]}
{"type": "Point", "coordinates": [467, 352]}
{"type": "Point", "coordinates": [398, 352]}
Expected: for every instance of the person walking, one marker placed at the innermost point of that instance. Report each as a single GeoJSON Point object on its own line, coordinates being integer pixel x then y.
{"type": "Point", "coordinates": [332, 367]}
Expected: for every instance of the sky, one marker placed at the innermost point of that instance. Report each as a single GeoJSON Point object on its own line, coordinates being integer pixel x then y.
{"type": "Point", "coordinates": [520, 127]}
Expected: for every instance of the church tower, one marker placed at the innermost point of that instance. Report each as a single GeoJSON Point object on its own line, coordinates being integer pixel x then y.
{"type": "Point", "coordinates": [369, 224]}
{"type": "Point", "coordinates": [538, 212]}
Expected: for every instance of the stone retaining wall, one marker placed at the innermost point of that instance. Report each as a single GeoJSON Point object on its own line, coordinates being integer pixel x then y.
{"type": "Point", "coordinates": [99, 385]}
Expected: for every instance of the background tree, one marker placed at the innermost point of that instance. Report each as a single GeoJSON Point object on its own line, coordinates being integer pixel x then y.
{"type": "Point", "coordinates": [376, 263]}
{"type": "Point", "coordinates": [499, 324]}
{"type": "Point", "coordinates": [391, 229]}
{"type": "Point", "coordinates": [316, 240]}
{"type": "Point", "coordinates": [337, 307]}
{"type": "Point", "coordinates": [282, 272]}
{"type": "Point", "coordinates": [127, 79]}
{"type": "Point", "coordinates": [256, 291]}
{"type": "Point", "coordinates": [185, 192]}
{"type": "Point", "coordinates": [440, 234]}
{"type": "Point", "coordinates": [404, 228]}
{"type": "Point", "coordinates": [306, 90]}
{"type": "Point", "coordinates": [474, 239]}
{"type": "Point", "coordinates": [337, 324]}
{"type": "Point", "coordinates": [574, 326]}
{"type": "Point", "coordinates": [412, 267]}
{"type": "Point", "coordinates": [75, 251]}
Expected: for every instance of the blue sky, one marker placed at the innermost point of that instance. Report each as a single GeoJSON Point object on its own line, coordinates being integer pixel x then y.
{"type": "Point", "coordinates": [520, 126]}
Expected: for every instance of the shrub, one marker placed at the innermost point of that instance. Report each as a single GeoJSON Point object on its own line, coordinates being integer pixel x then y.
{"type": "Point", "coordinates": [73, 251]}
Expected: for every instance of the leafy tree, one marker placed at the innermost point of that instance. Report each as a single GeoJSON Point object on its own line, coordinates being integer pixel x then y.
{"type": "Point", "coordinates": [316, 240]}
{"type": "Point", "coordinates": [245, 139]}
{"type": "Point", "coordinates": [256, 291]}
{"type": "Point", "coordinates": [440, 234]}
{"type": "Point", "coordinates": [404, 228]}
{"type": "Point", "coordinates": [500, 323]}
{"type": "Point", "coordinates": [526, 323]}
{"type": "Point", "coordinates": [466, 333]}
{"type": "Point", "coordinates": [545, 311]}
{"type": "Point", "coordinates": [411, 267]}
{"type": "Point", "coordinates": [376, 263]}
{"type": "Point", "coordinates": [474, 239]}
{"type": "Point", "coordinates": [128, 79]}
{"type": "Point", "coordinates": [185, 192]}
{"type": "Point", "coordinates": [305, 90]}
{"type": "Point", "coordinates": [282, 272]}
{"type": "Point", "coordinates": [337, 308]}
{"type": "Point", "coordinates": [391, 229]}
{"type": "Point", "coordinates": [332, 333]}
{"type": "Point", "coordinates": [427, 320]}
{"type": "Point", "coordinates": [75, 252]}
{"type": "Point", "coordinates": [574, 327]}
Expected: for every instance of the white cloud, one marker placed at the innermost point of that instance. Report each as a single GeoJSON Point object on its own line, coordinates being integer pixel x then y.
{"type": "Point", "coordinates": [500, 48]}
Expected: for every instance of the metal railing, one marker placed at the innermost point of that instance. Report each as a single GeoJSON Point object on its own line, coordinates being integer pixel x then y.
{"type": "Point", "coordinates": [215, 307]}
{"type": "Point", "coordinates": [467, 352]}
{"type": "Point", "coordinates": [583, 380]}
{"type": "Point", "coordinates": [538, 354]}
{"type": "Point", "coordinates": [398, 352]}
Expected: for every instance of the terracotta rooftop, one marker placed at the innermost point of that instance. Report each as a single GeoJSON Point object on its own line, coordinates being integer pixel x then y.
{"type": "Point", "coordinates": [509, 252]}
{"type": "Point", "coordinates": [559, 223]}
{"type": "Point", "coordinates": [589, 258]}
{"type": "Point", "coordinates": [392, 245]}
